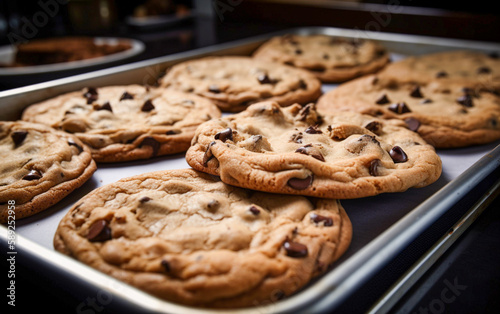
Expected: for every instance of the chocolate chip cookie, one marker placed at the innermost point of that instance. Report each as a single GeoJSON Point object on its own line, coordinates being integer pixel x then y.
{"type": "Point", "coordinates": [187, 237]}
{"type": "Point", "coordinates": [40, 166]}
{"type": "Point", "coordinates": [331, 59]}
{"type": "Point", "coordinates": [123, 123]}
{"type": "Point", "coordinates": [445, 114]}
{"type": "Point", "coordinates": [235, 82]}
{"type": "Point", "coordinates": [478, 70]}
{"type": "Point", "coordinates": [296, 150]}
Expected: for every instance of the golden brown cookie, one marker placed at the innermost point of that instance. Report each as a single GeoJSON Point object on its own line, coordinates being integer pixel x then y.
{"type": "Point", "coordinates": [39, 167]}
{"type": "Point", "coordinates": [445, 114]}
{"type": "Point", "coordinates": [331, 59]}
{"type": "Point", "coordinates": [475, 69]}
{"type": "Point", "coordinates": [186, 237]}
{"type": "Point", "coordinates": [235, 82]}
{"type": "Point", "coordinates": [296, 150]}
{"type": "Point", "coordinates": [123, 123]}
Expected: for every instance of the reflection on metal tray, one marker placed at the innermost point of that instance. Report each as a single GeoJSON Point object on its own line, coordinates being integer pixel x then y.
{"type": "Point", "coordinates": [383, 225]}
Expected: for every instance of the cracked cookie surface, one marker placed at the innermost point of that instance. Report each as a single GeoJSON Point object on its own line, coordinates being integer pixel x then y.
{"type": "Point", "coordinates": [40, 166]}
{"type": "Point", "coordinates": [330, 59]}
{"type": "Point", "coordinates": [187, 237]}
{"type": "Point", "coordinates": [296, 150]}
{"type": "Point", "coordinates": [446, 115]}
{"type": "Point", "coordinates": [235, 82]}
{"type": "Point", "coordinates": [123, 123]}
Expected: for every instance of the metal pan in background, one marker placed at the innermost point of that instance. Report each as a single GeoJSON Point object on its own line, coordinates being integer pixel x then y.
{"type": "Point", "coordinates": [391, 229]}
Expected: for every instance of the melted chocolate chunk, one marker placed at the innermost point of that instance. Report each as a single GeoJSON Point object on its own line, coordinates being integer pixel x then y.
{"type": "Point", "coordinates": [18, 137]}
{"type": "Point", "coordinates": [71, 142]}
{"type": "Point", "coordinates": [295, 249]}
{"type": "Point", "coordinates": [214, 89]}
{"type": "Point", "coordinates": [208, 154]}
{"type": "Point", "coordinates": [154, 144]}
{"type": "Point", "coordinates": [99, 231]}
{"type": "Point", "coordinates": [310, 151]}
{"type": "Point", "coordinates": [313, 130]}
{"type": "Point", "coordinates": [441, 74]}
{"type": "Point", "coordinates": [147, 106]}
{"type": "Point", "coordinates": [254, 210]}
{"type": "Point", "coordinates": [483, 70]}
{"type": "Point", "coordinates": [327, 221]}
{"type": "Point", "coordinates": [465, 100]}
{"type": "Point", "coordinates": [166, 265]}
{"type": "Point", "coordinates": [91, 95]}
{"type": "Point", "coordinates": [300, 184]}
{"type": "Point", "coordinates": [374, 126]}
{"type": "Point", "coordinates": [33, 175]}
{"type": "Point", "coordinates": [373, 168]}
{"type": "Point", "coordinates": [416, 92]}
{"type": "Point", "coordinates": [398, 154]}
{"type": "Point", "coordinates": [412, 123]}
{"type": "Point", "coordinates": [224, 135]}
{"type": "Point", "coordinates": [399, 108]}
{"type": "Point", "coordinates": [302, 84]}
{"type": "Point", "coordinates": [144, 199]}
{"type": "Point", "coordinates": [382, 100]}
{"type": "Point", "coordinates": [304, 112]}
{"type": "Point", "coordinates": [264, 79]}
{"type": "Point", "coordinates": [126, 95]}
{"type": "Point", "coordinates": [105, 106]}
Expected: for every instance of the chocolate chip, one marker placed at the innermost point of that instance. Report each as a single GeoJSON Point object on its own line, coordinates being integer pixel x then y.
{"type": "Point", "coordinates": [413, 124]}
{"type": "Point", "coordinates": [254, 210]}
{"type": "Point", "coordinates": [144, 199]}
{"type": "Point", "coordinates": [32, 175]}
{"type": "Point", "coordinates": [416, 92]}
{"type": "Point", "coordinates": [296, 138]}
{"type": "Point", "coordinates": [374, 126]}
{"type": "Point", "coordinates": [326, 56]}
{"type": "Point", "coordinates": [426, 101]}
{"type": "Point", "coordinates": [295, 249]}
{"type": "Point", "coordinates": [154, 144]}
{"type": "Point", "coordinates": [264, 79]}
{"type": "Point", "coordinates": [483, 70]}
{"type": "Point", "coordinates": [327, 221]}
{"type": "Point", "coordinates": [224, 135]}
{"type": "Point", "coordinates": [441, 74]}
{"type": "Point", "coordinates": [208, 154]}
{"type": "Point", "coordinates": [398, 154]}
{"type": "Point", "coordinates": [71, 142]}
{"type": "Point", "coordinates": [302, 84]}
{"type": "Point", "coordinates": [300, 184]}
{"type": "Point", "coordinates": [399, 108]}
{"type": "Point", "coordinates": [213, 205]}
{"type": "Point", "coordinates": [91, 95]}
{"type": "Point", "coordinates": [99, 231]}
{"type": "Point", "coordinates": [310, 151]}
{"type": "Point", "coordinates": [465, 100]}
{"type": "Point", "coordinates": [298, 51]}
{"type": "Point", "coordinates": [373, 168]}
{"type": "Point", "coordinates": [173, 132]}
{"type": "Point", "coordinates": [166, 265]}
{"type": "Point", "coordinates": [368, 138]}
{"type": "Point", "coordinates": [18, 137]}
{"type": "Point", "coordinates": [147, 106]}
{"type": "Point", "coordinates": [313, 130]}
{"type": "Point", "coordinates": [382, 100]}
{"type": "Point", "coordinates": [214, 89]}
{"type": "Point", "coordinates": [304, 112]}
{"type": "Point", "coordinates": [278, 295]}
{"type": "Point", "coordinates": [126, 95]}
{"type": "Point", "coordinates": [105, 106]}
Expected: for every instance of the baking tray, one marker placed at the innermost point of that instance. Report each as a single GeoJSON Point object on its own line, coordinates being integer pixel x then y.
{"type": "Point", "coordinates": [383, 225]}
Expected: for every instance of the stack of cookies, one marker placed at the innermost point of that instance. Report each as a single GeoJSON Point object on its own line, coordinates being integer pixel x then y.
{"type": "Point", "coordinates": [258, 215]}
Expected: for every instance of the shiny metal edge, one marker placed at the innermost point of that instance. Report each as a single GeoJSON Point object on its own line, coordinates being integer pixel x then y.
{"type": "Point", "coordinates": [419, 268]}
{"type": "Point", "coordinates": [329, 291]}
